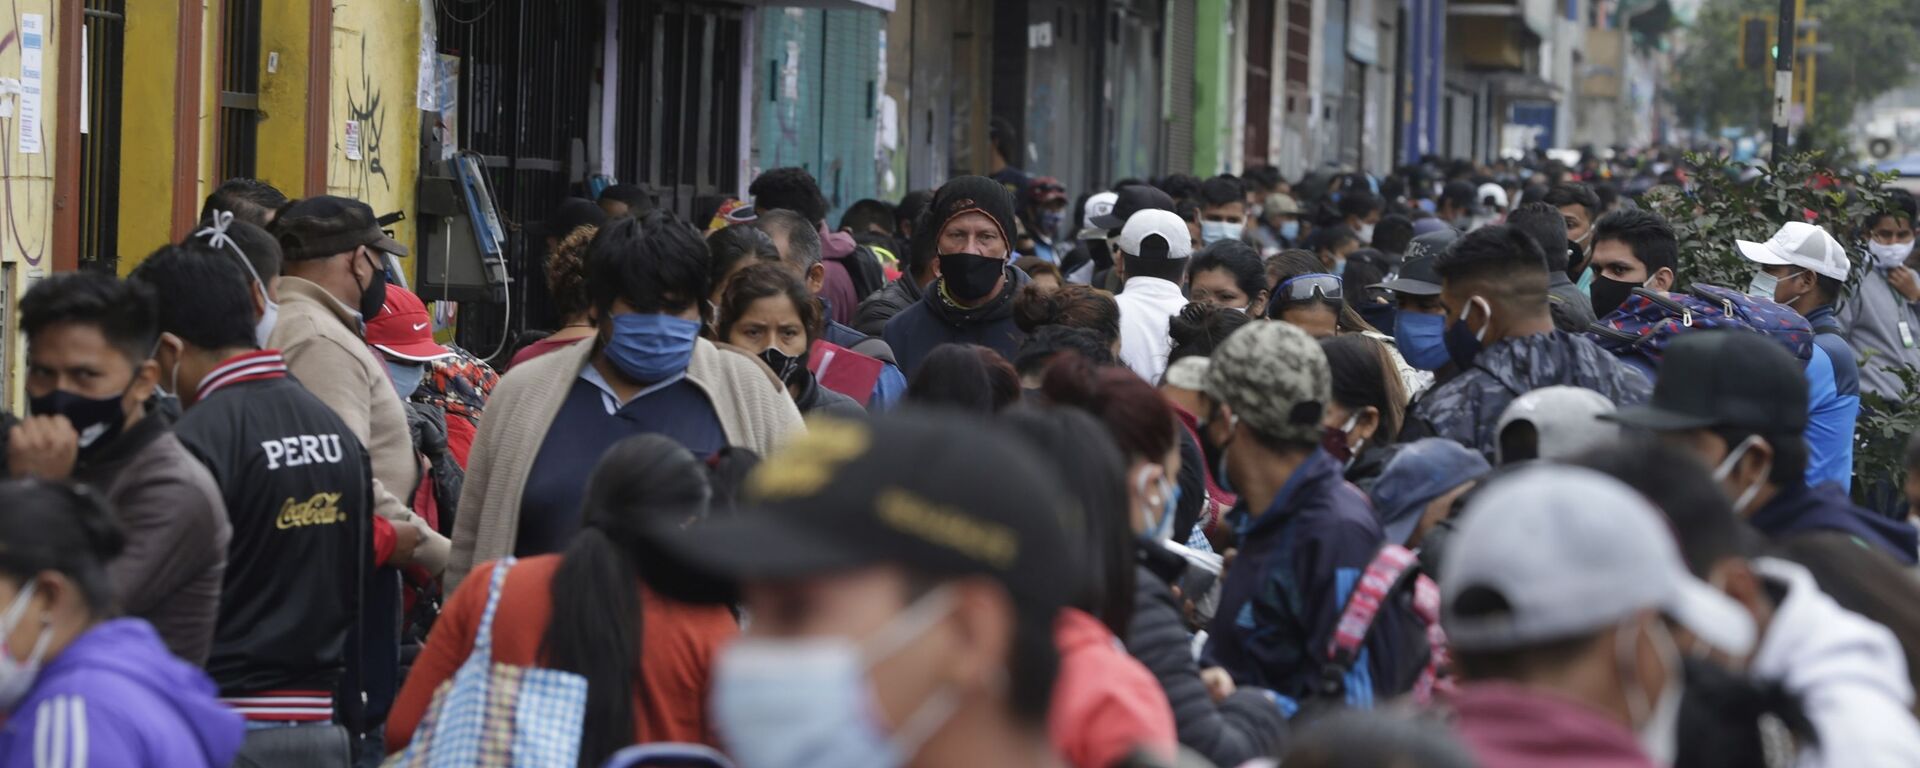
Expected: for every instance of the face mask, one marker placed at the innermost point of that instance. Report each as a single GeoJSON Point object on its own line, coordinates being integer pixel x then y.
{"type": "Point", "coordinates": [406, 377]}
{"type": "Point", "coordinates": [1050, 224]}
{"type": "Point", "coordinates": [1889, 256]}
{"type": "Point", "coordinates": [807, 703]}
{"type": "Point", "coordinates": [1340, 265]}
{"type": "Point", "coordinates": [1290, 230]}
{"type": "Point", "coordinates": [650, 348]}
{"type": "Point", "coordinates": [1160, 527]}
{"type": "Point", "coordinates": [16, 678]}
{"type": "Point", "coordinates": [374, 295]}
{"type": "Point", "coordinates": [1220, 231]}
{"type": "Point", "coordinates": [1218, 453]}
{"type": "Point", "coordinates": [1608, 294]}
{"type": "Point", "coordinates": [263, 328]}
{"type": "Point", "coordinates": [1720, 473]}
{"type": "Point", "coordinates": [97, 421]}
{"type": "Point", "coordinates": [1656, 723]}
{"type": "Point", "coordinates": [787, 367]}
{"type": "Point", "coordinates": [1365, 233]}
{"type": "Point", "coordinates": [1420, 337]}
{"type": "Point", "coordinates": [1463, 345]}
{"type": "Point", "coordinates": [970, 277]}
{"type": "Point", "coordinates": [1763, 286]}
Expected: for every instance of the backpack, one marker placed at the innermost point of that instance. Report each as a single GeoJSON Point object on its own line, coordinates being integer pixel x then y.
{"type": "Point", "coordinates": [1650, 320]}
{"type": "Point", "coordinates": [1394, 580]}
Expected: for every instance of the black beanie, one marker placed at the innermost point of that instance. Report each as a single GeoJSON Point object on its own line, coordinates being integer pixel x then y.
{"type": "Point", "coordinates": [962, 194]}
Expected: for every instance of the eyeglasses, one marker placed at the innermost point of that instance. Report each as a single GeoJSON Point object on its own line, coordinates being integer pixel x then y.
{"type": "Point", "coordinates": [1305, 288]}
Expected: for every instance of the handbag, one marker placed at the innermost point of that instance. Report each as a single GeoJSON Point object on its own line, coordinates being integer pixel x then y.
{"type": "Point", "coordinates": [499, 715]}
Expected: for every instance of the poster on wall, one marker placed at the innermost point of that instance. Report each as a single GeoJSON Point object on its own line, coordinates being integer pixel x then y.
{"type": "Point", "coordinates": [446, 87]}
{"type": "Point", "coordinates": [32, 38]}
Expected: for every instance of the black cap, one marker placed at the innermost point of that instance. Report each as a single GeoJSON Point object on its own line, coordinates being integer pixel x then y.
{"type": "Point", "coordinates": [574, 213]}
{"type": "Point", "coordinates": [1724, 379]}
{"type": "Point", "coordinates": [1132, 199]}
{"type": "Point", "coordinates": [935, 492]}
{"type": "Point", "coordinates": [1417, 274]}
{"type": "Point", "coordinates": [323, 226]}
{"type": "Point", "coordinates": [973, 194]}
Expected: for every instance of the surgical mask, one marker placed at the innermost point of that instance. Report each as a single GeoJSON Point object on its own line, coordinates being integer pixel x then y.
{"type": "Point", "coordinates": [1340, 265]}
{"type": "Point", "coordinates": [1220, 231]}
{"type": "Point", "coordinates": [1463, 345]}
{"type": "Point", "coordinates": [1889, 256]}
{"type": "Point", "coordinates": [1763, 285]}
{"type": "Point", "coordinates": [650, 348]}
{"type": "Point", "coordinates": [1656, 724]}
{"type": "Point", "coordinates": [1050, 224]}
{"type": "Point", "coordinates": [1290, 230]}
{"type": "Point", "coordinates": [16, 677]}
{"type": "Point", "coordinates": [216, 234]}
{"type": "Point", "coordinates": [1160, 527]}
{"type": "Point", "coordinates": [98, 421]}
{"type": "Point", "coordinates": [1720, 473]}
{"type": "Point", "coordinates": [969, 277]}
{"type": "Point", "coordinates": [1421, 339]}
{"type": "Point", "coordinates": [406, 377]}
{"type": "Point", "coordinates": [807, 703]}
{"type": "Point", "coordinates": [787, 367]}
{"type": "Point", "coordinates": [1365, 233]}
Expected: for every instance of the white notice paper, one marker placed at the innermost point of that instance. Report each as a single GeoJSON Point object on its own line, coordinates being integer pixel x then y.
{"type": "Point", "coordinates": [32, 38]}
{"type": "Point", "coordinates": [353, 140]}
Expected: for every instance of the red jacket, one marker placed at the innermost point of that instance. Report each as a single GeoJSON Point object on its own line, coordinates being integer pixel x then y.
{"type": "Point", "coordinates": [1506, 725]}
{"type": "Point", "coordinates": [1106, 705]}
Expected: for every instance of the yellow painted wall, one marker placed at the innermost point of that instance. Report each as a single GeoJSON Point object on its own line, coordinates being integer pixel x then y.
{"type": "Point", "coordinates": [26, 189]}
{"type": "Point", "coordinates": [283, 95]}
{"type": "Point", "coordinates": [376, 45]}
{"type": "Point", "coordinates": [146, 133]}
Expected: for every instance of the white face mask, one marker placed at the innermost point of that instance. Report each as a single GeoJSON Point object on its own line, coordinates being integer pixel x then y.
{"type": "Point", "coordinates": [1764, 286]}
{"type": "Point", "coordinates": [1365, 233]}
{"type": "Point", "coordinates": [1220, 231]}
{"type": "Point", "coordinates": [1656, 724]}
{"type": "Point", "coordinates": [1889, 256]}
{"type": "Point", "coordinates": [1727, 464]}
{"type": "Point", "coordinates": [806, 703]}
{"type": "Point", "coordinates": [1158, 508]}
{"type": "Point", "coordinates": [16, 677]}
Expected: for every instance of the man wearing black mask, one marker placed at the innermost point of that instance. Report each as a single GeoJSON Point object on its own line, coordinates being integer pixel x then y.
{"type": "Point", "coordinates": [970, 226]}
{"type": "Point", "coordinates": [1631, 249]}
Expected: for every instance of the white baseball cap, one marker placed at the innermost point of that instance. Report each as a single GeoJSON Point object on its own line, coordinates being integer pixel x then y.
{"type": "Point", "coordinates": [1493, 195]}
{"type": "Point", "coordinates": [1136, 236]}
{"type": "Point", "coordinates": [1100, 204]}
{"type": "Point", "coordinates": [1572, 551]}
{"type": "Point", "coordinates": [1802, 245]}
{"type": "Point", "coordinates": [1565, 421]}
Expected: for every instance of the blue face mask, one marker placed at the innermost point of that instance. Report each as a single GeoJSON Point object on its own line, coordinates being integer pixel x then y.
{"type": "Point", "coordinates": [1290, 230]}
{"type": "Point", "coordinates": [1463, 344]}
{"type": "Point", "coordinates": [406, 377]}
{"type": "Point", "coordinates": [650, 348]}
{"type": "Point", "coordinates": [1420, 339]}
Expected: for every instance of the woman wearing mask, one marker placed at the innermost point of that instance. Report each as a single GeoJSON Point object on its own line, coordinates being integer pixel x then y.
{"type": "Point", "coordinates": [1228, 275]}
{"type": "Point", "coordinates": [597, 610]}
{"type": "Point", "coordinates": [74, 680]}
{"type": "Point", "coordinates": [1368, 406]}
{"type": "Point", "coordinates": [766, 311]}
{"type": "Point", "coordinates": [647, 370]}
{"type": "Point", "coordinates": [1210, 716]}
{"type": "Point", "coordinates": [1332, 245]}
{"type": "Point", "coordinates": [1316, 302]}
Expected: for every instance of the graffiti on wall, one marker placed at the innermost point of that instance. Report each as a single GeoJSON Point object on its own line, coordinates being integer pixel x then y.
{"type": "Point", "coordinates": [366, 107]}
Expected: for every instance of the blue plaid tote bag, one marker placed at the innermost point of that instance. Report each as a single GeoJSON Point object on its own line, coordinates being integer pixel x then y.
{"type": "Point", "coordinates": [499, 715]}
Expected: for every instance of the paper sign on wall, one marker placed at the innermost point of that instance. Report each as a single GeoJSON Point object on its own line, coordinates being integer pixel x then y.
{"type": "Point", "coordinates": [32, 38]}
{"type": "Point", "coordinates": [353, 140]}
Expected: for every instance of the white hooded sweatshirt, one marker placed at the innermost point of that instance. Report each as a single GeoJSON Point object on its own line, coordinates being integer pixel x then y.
{"type": "Point", "coordinates": [1847, 671]}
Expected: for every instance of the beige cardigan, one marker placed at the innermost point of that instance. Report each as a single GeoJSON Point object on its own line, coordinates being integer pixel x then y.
{"type": "Point", "coordinates": [754, 414]}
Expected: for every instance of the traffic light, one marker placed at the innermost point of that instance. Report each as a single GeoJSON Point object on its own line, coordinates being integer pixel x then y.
{"type": "Point", "coordinates": [1756, 48]}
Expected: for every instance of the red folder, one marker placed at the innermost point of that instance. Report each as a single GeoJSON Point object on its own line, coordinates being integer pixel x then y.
{"type": "Point", "coordinates": [844, 370]}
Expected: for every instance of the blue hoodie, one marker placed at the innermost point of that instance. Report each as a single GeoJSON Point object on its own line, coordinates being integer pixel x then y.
{"type": "Point", "coordinates": [116, 699]}
{"type": "Point", "coordinates": [1826, 508]}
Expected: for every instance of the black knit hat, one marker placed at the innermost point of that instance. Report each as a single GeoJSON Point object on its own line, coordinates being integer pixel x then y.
{"type": "Point", "coordinates": [975, 194]}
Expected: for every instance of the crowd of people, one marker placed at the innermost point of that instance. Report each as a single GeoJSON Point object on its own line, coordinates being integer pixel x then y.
{"type": "Point", "coordinates": [1446, 468]}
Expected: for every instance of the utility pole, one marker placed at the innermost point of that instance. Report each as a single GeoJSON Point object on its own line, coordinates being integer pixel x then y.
{"type": "Point", "coordinates": [1783, 78]}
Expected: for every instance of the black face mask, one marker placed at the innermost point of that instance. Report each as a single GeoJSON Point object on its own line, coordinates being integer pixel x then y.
{"type": "Point", "coordinates": [98, 422]}
{"type": "Point", "coordinates": [787, 367]}
{"type": "Point", "coordinates": [1608, 294]}
{"type": "Point", "coordinates": [969, 276]}
{"type": "Point", "coordinates": [374, 295]}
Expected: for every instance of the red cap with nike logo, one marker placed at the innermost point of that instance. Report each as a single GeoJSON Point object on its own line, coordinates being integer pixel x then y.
{"type": "Point", "coordinates": [404, 330]}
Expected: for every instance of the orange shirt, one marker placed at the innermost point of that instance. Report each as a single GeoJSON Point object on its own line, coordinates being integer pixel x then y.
{"type": "Point", "coordinates": [677, 648]}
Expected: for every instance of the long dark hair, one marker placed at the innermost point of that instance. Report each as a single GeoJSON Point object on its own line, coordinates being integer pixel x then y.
{"type": "Point", "coordinates": [1363, 375]}
{"type": "Point", "coordinates": [62, 528]}
{"type": "Point", "coordinates": [595, 628]}
{"type": "Point", "coordinates": [1089, 464]}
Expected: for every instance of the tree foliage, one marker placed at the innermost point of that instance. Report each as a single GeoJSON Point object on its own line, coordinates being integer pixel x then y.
{"type": "Point", "coordinates": [1873, 41]}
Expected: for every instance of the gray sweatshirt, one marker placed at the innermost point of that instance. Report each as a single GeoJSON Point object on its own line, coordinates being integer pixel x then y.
{"type": "Point", "coordinates": [1884, 328]}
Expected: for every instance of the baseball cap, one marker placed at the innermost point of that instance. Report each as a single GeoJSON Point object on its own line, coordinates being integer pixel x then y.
{"type": "Point", "coordinates": [1571, 551]}
{"type": "Point", "coordinates": [1174, 241]}
{"type": "Point", "coordinates": [1417, 276]}
{"type": "Point", "coordinates": [1429, 226]}
{"type": "Point", "coordinates": [403, 329]}
{"type": "Point", "coordinates": [322, 226]}
{"type": "Point", "coordinates": [1566, 421]}
{"type": "Point", "coordinates": [1802, 245]}
{"type": "Point", "coordinates": [1100, 204]}
{"type": "Point", "coordinates": [1418, 473]}
{"type": "Point", "coordinates": [1274, 377]}
{"type": "Point", "coordinates": [1723, 378]}
{"type": "Point", "coordinates": [1492, 195]}
{"type": "Point", "coordinates": [1189, 372]}
{"type": "Point", "coordinates": [1282, 204]}
{"type": "Point", "coordinates": [1132, 199]}
{"type": "Point", "coordinates": [1045, 189]}
{"type": "Point", "coordinates": [848, 494]}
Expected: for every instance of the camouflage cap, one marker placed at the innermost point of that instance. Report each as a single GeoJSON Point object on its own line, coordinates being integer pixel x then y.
{"type": "Point", "coordinates": [1274, 377]}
